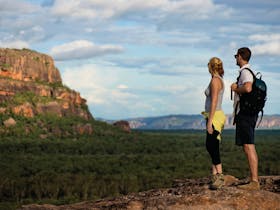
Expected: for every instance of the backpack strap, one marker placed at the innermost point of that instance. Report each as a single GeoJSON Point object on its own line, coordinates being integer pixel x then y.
{"type": "Point", "coordinates": [235, 112]}
{"type": "Point", "coordinates": [259, 74]}
{"type": "Point", "coordinates": [260, 119]}
{"type": "Point", "coordinates": [237, 104]}
{"type": "Point", "coordinates": [254, 76]}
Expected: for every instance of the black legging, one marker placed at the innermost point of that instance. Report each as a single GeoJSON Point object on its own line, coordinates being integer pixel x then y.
{"type": "Point", "coordinates": [213, 147]}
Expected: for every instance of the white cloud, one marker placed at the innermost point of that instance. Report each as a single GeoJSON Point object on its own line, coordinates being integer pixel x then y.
{"type": "Point", "coordinates": [106, 9]}
{"type": "Point", "coordinates": [121, 86]}
{"type": "Point", "coordinates": [16, 6]}
{"type": "Point", "coordinates": [269, 48]}
{"type": "Point", "coordinates": [270, 44]}
{"type": "Point", "coordinates": [265, 37]}
{"type": "Point", "coordinates": [82, 49]}
{"type": "Point", "coordinates": [109, 97]}
{"type": "Point", "coordinates": [100, 9]}
{"type": "Point", "coordinates": [18, 44]}
{"type": "Point", "coordinates": [183, 38]}
{"type": "Point", "coordinates": [90, 80]}
{"type": "Point", "coordinates": [122, 97]}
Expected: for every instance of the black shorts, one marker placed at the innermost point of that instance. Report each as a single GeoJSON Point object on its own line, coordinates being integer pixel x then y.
{"type": "Point", "coordinates": [245, 129]}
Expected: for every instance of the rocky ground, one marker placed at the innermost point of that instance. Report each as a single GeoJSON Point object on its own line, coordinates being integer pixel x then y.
{"type": "Point", "coordinates": [188, 194]}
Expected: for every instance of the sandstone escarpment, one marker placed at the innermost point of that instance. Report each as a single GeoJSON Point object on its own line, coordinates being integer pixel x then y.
{"type": "Point", "coordinates": [31, 86]}
{"type": "Point", "coordinates": [28, 65]}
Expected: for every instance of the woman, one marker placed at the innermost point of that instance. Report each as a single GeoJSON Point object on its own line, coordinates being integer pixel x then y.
{"type": "Point", "coordinates": [215, 119]}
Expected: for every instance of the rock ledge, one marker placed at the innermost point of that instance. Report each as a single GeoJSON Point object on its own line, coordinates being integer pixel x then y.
{"type": "Point", "coordinates": [189, 194]}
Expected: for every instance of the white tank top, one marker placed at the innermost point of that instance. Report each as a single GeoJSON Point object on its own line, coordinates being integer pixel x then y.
{"type": "Point", "coordinates": [208, 97]}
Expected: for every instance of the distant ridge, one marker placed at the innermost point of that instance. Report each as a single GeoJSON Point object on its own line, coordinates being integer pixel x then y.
{"type": "Point", "coordinates": [181, 122]}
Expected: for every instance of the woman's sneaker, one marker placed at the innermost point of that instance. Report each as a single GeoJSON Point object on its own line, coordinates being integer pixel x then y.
{"type": "Point", "coordinates": [217, 181]}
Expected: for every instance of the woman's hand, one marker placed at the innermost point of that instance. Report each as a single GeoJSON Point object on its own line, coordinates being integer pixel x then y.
{"type": "Point", "coordinates": [209, 128]}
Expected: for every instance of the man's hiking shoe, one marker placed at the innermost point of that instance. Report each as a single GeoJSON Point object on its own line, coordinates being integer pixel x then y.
{"type": "Point", "coordinates": [253, 185]}
{"type": "Point", "coordinates": [217, 181]}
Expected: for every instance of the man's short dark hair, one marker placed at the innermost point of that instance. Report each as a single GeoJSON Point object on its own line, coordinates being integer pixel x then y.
{"type": "Point", "coordinates": [245, 53]}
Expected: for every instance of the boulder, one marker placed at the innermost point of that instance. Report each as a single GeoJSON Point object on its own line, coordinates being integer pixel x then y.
{"type": "Point", "coordinates": [124, 125]}
{"type": "Point", "coordinates": [84, 129]}
{"type": "Point", "coordinates": [2, 110]}
{"type": "Point", "coordinates": [26, 110]}
{"type": "Point", "coordinates": [9, 122]}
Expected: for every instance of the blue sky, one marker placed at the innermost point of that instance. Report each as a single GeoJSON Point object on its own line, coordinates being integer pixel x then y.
{"type": "Point", "coordinates": [139, 58]}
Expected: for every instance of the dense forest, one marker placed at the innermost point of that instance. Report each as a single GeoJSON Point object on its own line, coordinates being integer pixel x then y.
{"type": "Point", "coordinates": [111, 162]}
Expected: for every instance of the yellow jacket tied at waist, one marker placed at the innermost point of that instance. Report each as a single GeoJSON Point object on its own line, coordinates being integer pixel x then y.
{"type": "Point", "coordinates": [218, 122]}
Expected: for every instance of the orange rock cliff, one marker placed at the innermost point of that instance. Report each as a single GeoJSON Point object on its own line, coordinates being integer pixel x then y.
{"type": "Point", "coordinates": [31, 85]}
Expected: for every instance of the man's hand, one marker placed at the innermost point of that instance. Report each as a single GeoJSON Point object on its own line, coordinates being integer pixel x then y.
{"type": "Point", "coordinates": [245, 88]}
{"type": "Point", "coordinates": [233, 87]}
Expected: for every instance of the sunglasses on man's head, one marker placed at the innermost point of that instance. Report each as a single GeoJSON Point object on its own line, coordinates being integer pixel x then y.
{"type": "Point", "coordinates": [236, 55]}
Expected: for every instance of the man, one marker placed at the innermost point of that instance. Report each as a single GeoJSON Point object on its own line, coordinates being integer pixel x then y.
{"type": "Point", "coordinates": [245, 123]}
